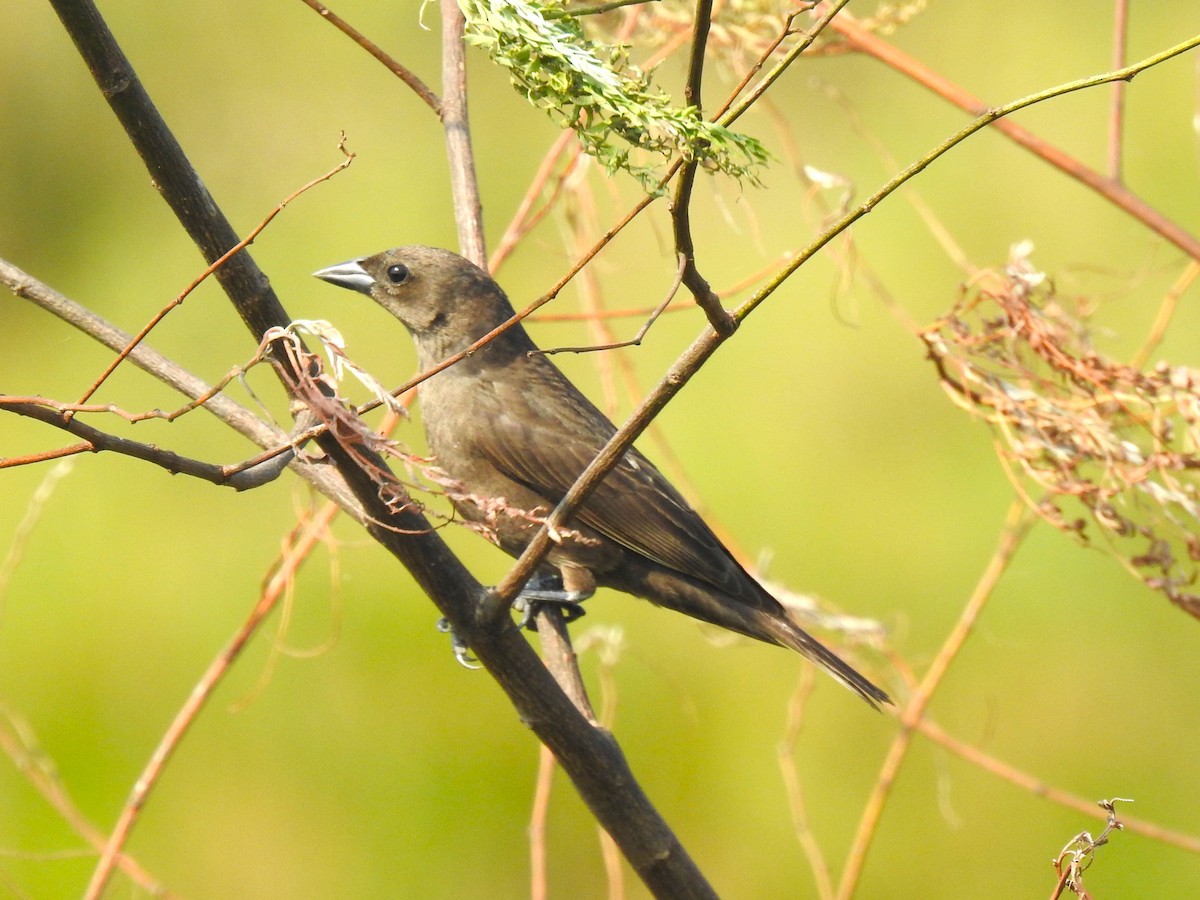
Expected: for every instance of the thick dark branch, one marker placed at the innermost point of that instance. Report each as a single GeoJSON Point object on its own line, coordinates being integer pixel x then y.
{"type": "Point", "coordinates": [588, 754]}
{"type": "Point", "coordinates": [171, 171]}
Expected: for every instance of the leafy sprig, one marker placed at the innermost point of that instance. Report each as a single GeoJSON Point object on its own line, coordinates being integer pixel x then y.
{"type": "Point", "coordinates": [592, 88]}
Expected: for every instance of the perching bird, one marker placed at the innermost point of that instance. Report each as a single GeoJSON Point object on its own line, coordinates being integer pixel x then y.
{"type": "Point", "coordinates": [510, 427]}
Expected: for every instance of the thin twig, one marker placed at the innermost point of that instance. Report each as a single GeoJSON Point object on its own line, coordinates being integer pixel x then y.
{"type": "Point", "coordinates": [538, 878]}
{"type": "Point", "coordinates": [18, 742]}
{"type": "Point", "coordinates": [1166, 311]}
{"type": "Point", "coordinates": [228, 411]}
{"type": "Point", "coordinates": [464, 187]}
{"type": "Point", "coordinates": [1116, 116]}
{"type": "Point", "coordinates": [1016, 525]}
{"type": "Point", "coordinates": [793, 786]}
{"type": "Point", "coordinates": [237, 477]}
{"type": "Point", "coordinates": [990, 116]}
{"type": "Point", "coordinates": [727, 116]}
{"type": "Point", "coordinates": [636, 340]}
{"type": "Point", "coordinates": [200, 695]}
{"type": "Point", "coordinates": [525, 219]}
{"type": "Point", "coordinates": [1115, 193]}
{"type": "Point", "coordinates": [535, 551]}
{"type": "Point", "coordinates": [213, 267]}
{"type": "Point", "coordinates": [591, 10]}
{"type": "Point", "coordinates": [1039, 788]}
{"type": "Point", "coordinates": [766, 54]}
{"type": "Point", "coordinates": [419, 88]}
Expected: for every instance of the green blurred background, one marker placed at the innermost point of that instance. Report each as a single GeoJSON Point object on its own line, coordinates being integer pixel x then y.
{"type": "Point", "coordinates": [380, 768]}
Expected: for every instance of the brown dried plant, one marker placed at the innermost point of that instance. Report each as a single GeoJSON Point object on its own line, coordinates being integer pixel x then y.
{"type": "Point", "coordinates": [1100, 449]}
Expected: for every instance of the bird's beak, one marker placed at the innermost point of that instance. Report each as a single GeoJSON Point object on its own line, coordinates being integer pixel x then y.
{"type": "Point", "coordinates": [348, 275]}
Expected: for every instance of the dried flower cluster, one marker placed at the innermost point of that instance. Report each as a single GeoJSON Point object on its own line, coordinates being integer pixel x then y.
{"type": "Point", "coordinates": [1097, 447]}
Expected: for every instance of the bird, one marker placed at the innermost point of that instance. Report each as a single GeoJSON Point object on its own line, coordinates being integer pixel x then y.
{"type": "Point", "coordinates": [508, 425]}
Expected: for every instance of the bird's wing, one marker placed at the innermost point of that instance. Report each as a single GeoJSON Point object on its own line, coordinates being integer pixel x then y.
{"type": "Point", "coordinates": [545, 446]}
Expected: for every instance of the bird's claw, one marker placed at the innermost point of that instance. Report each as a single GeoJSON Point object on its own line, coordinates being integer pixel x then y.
{"type": "Point", "coordinates": [528, 603]}
{"type": "Point", "coordinates": [461, 651]}
{"type": "Point", "coordinates": [547, 589]}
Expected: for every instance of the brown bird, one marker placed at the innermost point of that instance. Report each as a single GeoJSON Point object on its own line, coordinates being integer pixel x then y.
{"type": "Point", "coordinates": [510, 427]}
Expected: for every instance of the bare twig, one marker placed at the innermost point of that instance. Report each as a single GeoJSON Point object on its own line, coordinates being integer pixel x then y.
{"type": "Point", "coordinates": [636, 340]}
{"type": "Point", "coordinates": [1016, 526]}
{"type": "Point", "coordinates": [676, 377]}
{"type": "Point", "coordinates": [1116, 116]}
{"type": "Point", "coordinates": [18, 742]}
{"type": "Point", "coordinates": [419, 88]}
{"type": "Point", "coordinates": [1166, 311]}
{"type": "Point", "coordinates": [237, 477]}
{"type": "Point", "coordinates": [1039, 788]}
{"type": "Point", "coordinates": [525, 219]}
{"type": "Point", "coordinates": [538, 878]}
{"type": "Point", "coordinates": [1080, 851]}
{"type": "Point", "coordinates": [213, 267]}
{"type": "Point", "coordinates": [989, 116]}
{"type": "Point", "coordinates": [237, 417]}
{"type": "Point", "coordinates": [592, 10]}
{"type": "Point", "coordinates": [464, 187]}
{"type": "Point", "coordinates": [792, 784]}
{"type": "Point", "coordinates": [728, 115]}
{"type": "Point", "coordinates": [33, 513]}
{"type": "Point", "coordinates": [1115, 193]}
{"type": "Point", "coordinates": [199, 696]}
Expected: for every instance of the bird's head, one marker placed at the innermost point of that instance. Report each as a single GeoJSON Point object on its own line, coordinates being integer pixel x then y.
{"type": "Point", "coordinates": [444, 300]}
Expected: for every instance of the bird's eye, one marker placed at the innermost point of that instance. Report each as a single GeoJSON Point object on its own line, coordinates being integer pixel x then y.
{"type": "Point", "coordinates": [398, 274]}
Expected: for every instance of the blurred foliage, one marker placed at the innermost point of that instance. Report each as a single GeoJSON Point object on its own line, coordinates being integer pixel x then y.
{"type": "Point", "coordinates": [378, 767]}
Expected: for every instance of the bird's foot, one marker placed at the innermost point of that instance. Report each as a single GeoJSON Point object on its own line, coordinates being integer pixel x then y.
{"type": "Point", "coordinates": [545, 589]}
{"type": "Point", "coordinates": [461, 651]}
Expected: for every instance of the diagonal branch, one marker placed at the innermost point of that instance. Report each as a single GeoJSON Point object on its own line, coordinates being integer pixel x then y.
{"type": "Point", "coordinates": [233, 414]}
{"type": "Point", "coordinates": [1109, 188]}
{"type": "Point", "coordinates": [589, 755]}
{"type": "Point", "coordinates": [418, 86]}
{"type": "Point", "coordinates": [96, 440]}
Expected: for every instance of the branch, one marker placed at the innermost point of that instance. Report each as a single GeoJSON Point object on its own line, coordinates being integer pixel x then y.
{"type": "Point", "coordinates": [464, 186]}
{"type": "Point", "coordinates": [231, 413]}
{"type": "Point", "coordinates": [992, 116]}
{"type": "Point", "coordinates": [419, 88]}
{"type": "Point", "coordinates": [728, 116]}
{"type": "Point", "coordinates": [213, 267]}
{"type": "Point", "coordinates": [236, 477]}
{"type": "Point", "coordinates": [1111, 190]}
{"type": "Point", "coordinates": [589, 755]}
{"type": "Point", "coordinates": [702, 291]}
{"type": "Point", "coordinates": [677, 376]}
{"type": "Point", "coordinates": [1016, 526]}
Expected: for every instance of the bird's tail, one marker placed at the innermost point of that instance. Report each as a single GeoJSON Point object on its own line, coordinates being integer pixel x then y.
{"type": "Point", "coordinates": [781, 630]}
{"type": "Point", "coordinates": [751, 611]}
